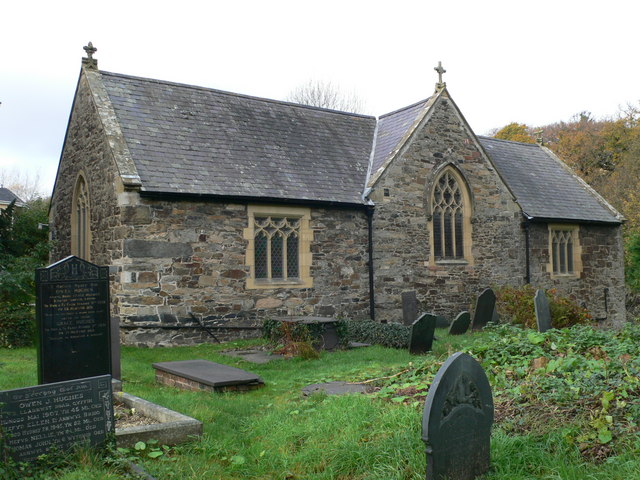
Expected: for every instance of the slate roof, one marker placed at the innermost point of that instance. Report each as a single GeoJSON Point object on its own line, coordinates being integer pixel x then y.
{"type": "Point", "coordinates": [192, 140]}
{"type": "Point", "coordinates": [544, 187]}
{"type": "Point", "coordinates": [197, 141]}
{"type": "Point", "coordinates": [391, 129]}
{"type": "Point", "coordinates": [7, 196]}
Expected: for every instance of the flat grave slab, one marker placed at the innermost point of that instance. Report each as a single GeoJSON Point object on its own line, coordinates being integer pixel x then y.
{"type": "Point", "coordinates": [254, 356]}
{"type": "Point", "coordinates": [336, 388]}
{"type": "Point", "coordinates": [205, 375]}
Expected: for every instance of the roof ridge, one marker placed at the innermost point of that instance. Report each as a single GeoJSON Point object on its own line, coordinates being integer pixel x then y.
{"type": "Point", "coordinates": [486, 137]}
{"type": "Point", "coordinates": [424, 100]}
{"type": "Point", "coordinates": [240, 95]}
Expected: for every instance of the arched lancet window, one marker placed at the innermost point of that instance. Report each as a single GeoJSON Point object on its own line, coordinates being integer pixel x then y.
{"type": "Point", "coordinates": [450, 208]}
{"type": "Point", "coordinates": [80, 220]}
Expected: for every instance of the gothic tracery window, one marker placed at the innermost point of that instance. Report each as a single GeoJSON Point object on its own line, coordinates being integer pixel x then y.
{"type": "Point", "coordinates": [276, 247]}
{"type": "Point", "coordinates": [448, 208]}
{"type": "Point", "coordinates": [80, 220]}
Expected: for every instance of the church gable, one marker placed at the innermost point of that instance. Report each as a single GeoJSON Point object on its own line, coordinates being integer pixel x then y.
{"type": "Point", "coordinates": [445, 224]}
{"type": "Point", "coordinates": [84, 208]}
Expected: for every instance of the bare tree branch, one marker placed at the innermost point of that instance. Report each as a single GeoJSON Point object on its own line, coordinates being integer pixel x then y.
{"type": "Point", "coordinates": [322, 94]}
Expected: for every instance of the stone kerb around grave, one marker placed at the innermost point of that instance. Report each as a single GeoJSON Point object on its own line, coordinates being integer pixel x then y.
{"type": "Point", "coordinates": [457, 419]}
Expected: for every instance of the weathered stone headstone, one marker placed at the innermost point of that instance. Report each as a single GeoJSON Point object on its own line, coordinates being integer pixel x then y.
{"type": "Point", "coordinates": [485, 308]}
{"type": "Point", "coordinates": [422, 332]}
{"type": "Point", "coordinates": [460, 324]}
{"type": "Point", "coordinates": [409, 307]}
{"type": "Point", "coordinates": [543, 313]}
{"type": "Point", "coordinates": [457, 419]}
{"type": "Point", "coordinates": [63, 414]}
{"type": "Point", "coordinates": [72, 314]}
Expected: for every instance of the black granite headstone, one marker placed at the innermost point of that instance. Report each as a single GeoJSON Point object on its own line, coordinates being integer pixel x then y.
{"type": "Point", "coordinates": [63, 414]}
{"type": "Point", "coordinates": [543, 313]}
{"type": "Point", "coordinates": [461, 324]}
{"type": "Point", "coordinates": [409, 307]}
{"type": "Point", "coordinates": [485, 309]}
{"type": "Point", "coordinates": [72, 313]}
{"type": "Point", "coordinates": [457, 419]}
{"type": "Point", "coordinates": [422, 332]}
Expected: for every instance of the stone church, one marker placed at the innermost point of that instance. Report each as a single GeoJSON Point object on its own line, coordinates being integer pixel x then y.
{"type": "Point", "coordinates": [219, 209]}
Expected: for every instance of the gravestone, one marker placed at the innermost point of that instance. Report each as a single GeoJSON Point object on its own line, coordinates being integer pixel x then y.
{"type": "Point", "coordinates": [422, 332]}
{"type": "Point", "coordinates": [460, 324]}
{"type": "Point", "coordinates": [63, 414]}
{"type": "Point", "coordinates": [457, 419]}
{"type": "Point", "coordinates": [485, 309]}
{"type": "Point", "coordinates": [205, 375]}
{"type": "Point", "coordinates": [543, 313]}
{"type": "Point", "coordinates": [73, 322]}
{"type": "Point", "coordinates": [409, 307]}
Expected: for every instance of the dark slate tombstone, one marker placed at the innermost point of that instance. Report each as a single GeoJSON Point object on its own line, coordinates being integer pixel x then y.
{"type": "Point", "coordinates": [461, 324]}
{"type": "Point", "coordinates": [63, 414]}
{"type": "Point", "coordinates": [422, 332]}
{"type": "Point", "coordinates": [543, 313]}
{"type": "Point", "coordinates": [457, 419]}
{"type": "Point", "coordinates": [485, 308]}
{"type": "Point", "coordinates": [72, 313]}
{"type": "Point", "coordinates": [409, 307]}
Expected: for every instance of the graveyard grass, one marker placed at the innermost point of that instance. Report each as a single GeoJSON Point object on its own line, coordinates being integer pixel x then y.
{"type": "Point", "coordinates": [567, 407]}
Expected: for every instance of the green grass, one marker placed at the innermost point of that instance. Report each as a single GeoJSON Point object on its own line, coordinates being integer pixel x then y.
{"type": "Point", "coordinates": [275, 433]}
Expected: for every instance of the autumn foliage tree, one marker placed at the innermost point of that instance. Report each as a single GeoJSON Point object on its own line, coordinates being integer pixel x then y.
{"type": "Point", "coordinates": [517, 132]}
{"type": "Point", "coordinates": [606, 154]}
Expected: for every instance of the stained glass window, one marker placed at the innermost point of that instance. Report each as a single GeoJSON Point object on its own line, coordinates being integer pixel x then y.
{"type": "Point", "coordinates": [277, 247]}
{"type": "Point", "coordinates": [562, 251]}
{"type": "Point", "coordinates": [448, 225]}
{"type": "Point", "coordinates": [80, 222]}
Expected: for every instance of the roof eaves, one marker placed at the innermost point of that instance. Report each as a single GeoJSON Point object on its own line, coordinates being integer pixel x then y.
{"type": "Point", "coordinates": [618, 216]}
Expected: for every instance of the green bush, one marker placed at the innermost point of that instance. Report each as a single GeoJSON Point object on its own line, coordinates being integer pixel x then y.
{"type": "Point", "coordinates": [393, 335]}
{"type": "Point", "coordinates": [632, 260]}
{"type": "Point", "coordinates": [23, 248]}
{"type": "Point", "coordinates": [515, 304]}
{"type": "Point", "coordinates": [17, 325]}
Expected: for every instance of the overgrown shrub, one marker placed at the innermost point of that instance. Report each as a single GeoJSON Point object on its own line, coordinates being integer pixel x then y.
{"type": "Point", "coordinates": [632, 260]}
{"type": "Point", "coordinates": [295, 339]}
{"type": "Point", "coordinates": [23, 248]}
{"type": "Point", "coordinates": [515, 304]}
{"type": "Point", "coordinates": [393, 335]}
{"type": "Point", "coordinates": [17, 325]}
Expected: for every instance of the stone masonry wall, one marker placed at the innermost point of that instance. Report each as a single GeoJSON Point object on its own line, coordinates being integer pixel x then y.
{"type": "Point", "coordinates": [600, 287]}
{"type": "Point", "coordinates": [182, 258]}
{"type": "Point", "coordinates": [86, 150]}
{"type": "Point", "coordinates": [401, 225]}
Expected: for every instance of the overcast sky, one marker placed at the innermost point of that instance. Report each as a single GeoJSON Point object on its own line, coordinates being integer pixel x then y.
{"type": "Point", "coordinates": [533, 62]}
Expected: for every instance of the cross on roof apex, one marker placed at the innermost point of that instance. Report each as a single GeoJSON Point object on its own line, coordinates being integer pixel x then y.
{"type": "Point", "coordinates": [440, 85]}
{"type": "Point", "coordinates": [89, 61]}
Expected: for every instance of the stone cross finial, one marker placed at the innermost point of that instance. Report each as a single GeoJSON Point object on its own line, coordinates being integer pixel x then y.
{"type": "Point", "coordinates": [539, 138]}
{"type": "Point", "coordinates": [89, 61]}
{"type": "Point", "coordinates": [440, 71]}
